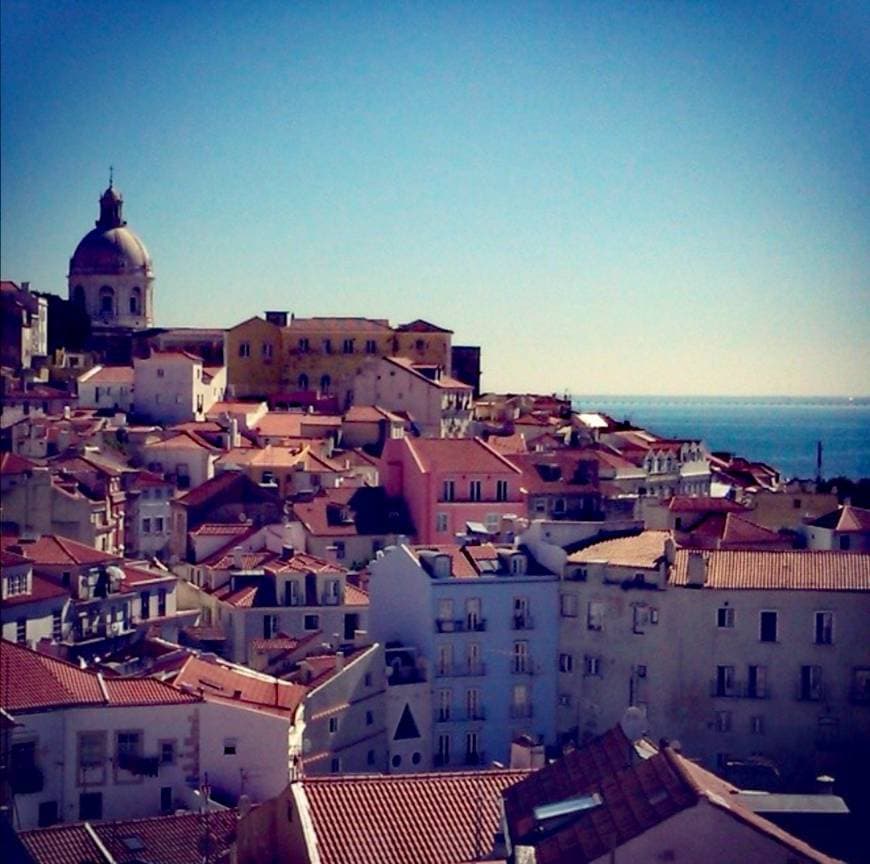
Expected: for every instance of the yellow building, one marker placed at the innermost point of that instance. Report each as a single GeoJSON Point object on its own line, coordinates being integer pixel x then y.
{"type": "Point", "coordinates": [268, 358]}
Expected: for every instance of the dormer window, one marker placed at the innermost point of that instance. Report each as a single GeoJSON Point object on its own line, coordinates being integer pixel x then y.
{"type": "Point", "coordinates": [16, 583]}
{"type": "Point", "coordinates": [518, 564]}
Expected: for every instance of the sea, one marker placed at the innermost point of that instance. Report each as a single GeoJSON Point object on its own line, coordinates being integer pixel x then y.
{"type": "Point", "coordinates": [779, 430]}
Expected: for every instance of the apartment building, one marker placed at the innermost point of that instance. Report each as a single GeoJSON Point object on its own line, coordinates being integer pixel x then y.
{"type": "Point", "coordinates": [484, 620]}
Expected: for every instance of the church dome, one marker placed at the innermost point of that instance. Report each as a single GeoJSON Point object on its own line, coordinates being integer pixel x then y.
{"type": "Point", "coordinates": [112, 251]}
{"type": "Point", "coordinates": [111, 248]}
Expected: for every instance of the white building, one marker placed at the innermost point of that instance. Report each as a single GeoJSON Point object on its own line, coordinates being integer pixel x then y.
{"type": "Point", "coordinates": [438, 405]}
{"type": "Point", "coordinates": [175, 387]}
{"type": "Point", "coordinates": [106, 388]}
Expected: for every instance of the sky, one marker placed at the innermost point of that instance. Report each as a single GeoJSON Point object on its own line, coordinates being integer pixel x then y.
{"type": "Point", "coordinates": [640, 198]}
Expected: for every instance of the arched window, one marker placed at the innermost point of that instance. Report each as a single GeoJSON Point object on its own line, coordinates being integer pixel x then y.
{"type": "Point", "coordinates": [303, 381]}
{"type": "Point", "coordinates": [78, 296]}
{"type": "Point", "coordinates": [135, 301]}
{"type": "Point", "coordinates": [107, 300]}
{"type": "Point", "coordinates": [325, 382]}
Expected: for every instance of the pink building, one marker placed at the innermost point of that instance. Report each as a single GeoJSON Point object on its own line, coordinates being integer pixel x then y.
{"type": "Point", "coordinates": [449, 482]}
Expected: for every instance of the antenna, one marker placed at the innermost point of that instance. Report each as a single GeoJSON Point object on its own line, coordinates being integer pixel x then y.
{"type": "Point", "coordinates": [111, 175]}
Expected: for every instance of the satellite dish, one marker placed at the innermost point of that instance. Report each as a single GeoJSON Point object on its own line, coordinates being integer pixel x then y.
{"type": "Point", "coordinates": [633, 723]}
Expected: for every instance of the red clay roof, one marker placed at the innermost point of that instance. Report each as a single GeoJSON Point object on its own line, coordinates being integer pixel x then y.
{"type": "Point", "coordinates": [164, 839]}
{"type": "Point", "coordinates": [54, 550]}
{"type": "Point", "coordinates": [432, 818]}
{"type": "Point", "coordinates": [12, 463]}
{"type": "Point", "coordinates": [348, 325]}
{"type": "Point", "coordinates": [639, 788]}
{"type": "Point", "coordinates": [639, 550]}
{"type": "Point", "coordinates": [846, 519]}
{"type": "Point", "coordinates": [144, 691]}
{"type": "Point", "coordinates": [216, 680]}
{"type": "Point", "coordinates": [459, 456]}
{"type": "Point", "coordinates": [729, 529]}
{"type": "Point", "coordinates": [763, 570]}
{"type": "Point", "coordinates": [112, 375]}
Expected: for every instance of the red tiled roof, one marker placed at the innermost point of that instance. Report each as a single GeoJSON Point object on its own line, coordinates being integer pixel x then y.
{"type": "Point", "coordinates": [54, 550]}
{"type": "Point", "coordinates": [186, 440]}
{"type": "Point", "coordinates": [458, 455]}
{"type": "Point", "coordinates": [12, 463]}
{"type": "Point", "coordinates": [432, 818]}
{"type": "Point", "coordinates": [419, 325]}
{"type": "Point", "coordinates": [367, 414]}
{"type": "Point", "coordinates": [147, 479]}
{"type": "Point", "coordinates": [443, 381]}
{"type": "Point", "coordinates": [112, 375]}
{"type": "Point", "coordinates": [640, 550]}
{"type": "Point", "coordinates": [460, 567]}
{"type": "Point", "coordinates": [222, 681]}
{"type": "Point", "coordinates": [144, 691]}
{"type": "Point", "coordinates": [34, 681]}
{"type": "Point", "coordinates": [350, 325]}
{"type": "Point", "coordinates": [638, 791]}
{"type": "Point", "coordinates": [729, 529]}
{"type": "Point", "coordinates": [136, 575]}
{"type": "Point", "coordinates": [845, 519]}
{"type": "Point", "coordinates": [40, 588]}
{"type": "Point", "coordinates": [165, 839]}
{"type": "Point", "coordinates": [767, 570]}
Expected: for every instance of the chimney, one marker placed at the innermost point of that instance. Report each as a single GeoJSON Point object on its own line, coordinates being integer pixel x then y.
{"type": "Point", "coordinates": [286, 552]}
{"type": "Point", "coordinates": [825, 784]}
{"type": "Point", "coordinates": [235, 438]}
{"type": "Point", "coordinates": [525, 753]}
{"type": "Point", "coordinates": [237, 557]}
{"type": "Point", "coordinates": [696, 570]}
{"type": "Point", "coordinates": [25, 286]}
{"type": "Point", "coordinates": [339, 660]}
{"type": "Point", "coordinates": [67, 412]}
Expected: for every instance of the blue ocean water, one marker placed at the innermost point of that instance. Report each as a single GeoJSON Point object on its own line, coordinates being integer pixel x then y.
{"type": "Point", "coordinates": [781, 431]}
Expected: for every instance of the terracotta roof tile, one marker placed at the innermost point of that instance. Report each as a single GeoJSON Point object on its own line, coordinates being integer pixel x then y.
{"type": "Point", "coordinates": [185, 440]}
{"type": "Point", "coordinates": [640, 550]}
{"type": "Point", "coordinates": [112, 375]}
{"type": "Point", "coordinates": [436, 818]}
{"type": "Point", "coordinates": [12, 463]}
{"type": "Point", "coordinates": [460, 455]}
{"type": "Point", "coordinates": [54, 550]}
{"type": "Point", "coordinates": [165, 839]}
{"type": "Point", "coordinates": [787, 570]}
{"type": "Point", "coordinates": [144, 691]}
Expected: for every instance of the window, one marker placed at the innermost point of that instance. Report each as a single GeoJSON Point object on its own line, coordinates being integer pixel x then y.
{"type": "Point", "coordinates": [16, 583]}
{"type": "Point", "coordinates": [367, 679]}
{"type": "Point", "coordinates": [161, 373]}
{"type": "Point", "coordinates": [145, 605]}
{"type": "Point", "coordinates": [333, 725]}
{"type": "Point", "coordinates": [325, 384]}
{"type": "Point", "coordinates": [161, 602]}
{"type": "Point", "coordinates": [522, 619]}
{"type": "Point", "coordinates": [824, 628]}
{"type": "Point", "coordinates": [473, 621]}
{"type": "Point", "coordinates": [810, 684]}
{"type": "Point", "coordinates": [472, 756]}
{"type": "Point", "coordinates": [768, 626]}
{"type": "Point", "coordinates": [475, 667]}
{"type": "Point", "coordinates": [756, 682]}
{"type": "Point", "coordinates": [158, 520]}
{"type": "Point", "coordinates": [230, 746]}
{"type": "Point", "coordinates": [568, 605]}
{"type": "Point", "coordinates": [520, 701]}
{"type": "Point", "coordinates": [501, 490]}
{"type": "Point", "coordinates": [311, 622]}
{"type": "Point", "coordinates": [304, 346]}
{"type": "Point", "coordinates": [844, 542]}
{"type": "Point", "coordinates": [641, 617]}
{"type": "Point", "coordinates": [165, 799]}
{"type": "Point", "coordinates": [339, 550]}
{"type": "Point", "coordinates": [370, 718]}
{"type": "Point", "coordinates": [520, 657]}
{"type": "Point", "coordinates": [56, 626]}
{"type": "Point", "coordinates": [566, 663]}
{"type": "Point", "coordinates": [449, 490]}
{"type": "Point", "coordinates": [474, 490]}
{"type": "Point", "coordinates": [347, 346]}
{"type": "Point", "coordinates": [21, 631]}
{"type": "Point", "coordinates": [592, 666]}
{"type": "Point", "coordinates": [472, 704]}
{"type": "Point", "coordinates": [725, 683]}
{"type": "Point", "coordinates": [47, 813]}
{"type": "Point", "coordinates": [725, 617]}
{"type": "Point", "coordinates": [371, 346]}
{"type": "Point", "coordinates": [595, 616]}
{"type": "Point", "coordinates": [723, 721]}
{"type": "Point", "coordinates": [445, 703]}
{"type": "Point", "coordinates": [335, 765]}
{"type": "Point", "coordinates": [442, 750]}
{"type": "Point", "coordinates": [244, 349]}
{"type": "Point", "coordinates": [441, 523]}
{"type": "Point", "coordinates": [756, 724]}
{"type": "Point", "coordinates": [860, 689]}
{"type": "Point", "coordinates": [167, 752]}
{"type": "Point", "coordinates": [327, 346]}
{"type": "Point", "coordinates": [445, 659]}
{"type": "Point", "coordinates": [266, 350]}
{"type": "Point", "coordinates": [303, 382]}
{"type": "Point", "coordinates": [92, 750]}
{"type": "Point", "coordinates": [90, 806]}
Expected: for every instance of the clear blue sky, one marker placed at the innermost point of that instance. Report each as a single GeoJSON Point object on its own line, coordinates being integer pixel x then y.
{"type": "Point", "coordinates": [613, 198]}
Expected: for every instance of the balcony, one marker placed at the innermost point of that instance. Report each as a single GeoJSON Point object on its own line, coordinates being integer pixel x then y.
{"type": "Point", "coordinates": [460, 670]}
{"type": "Point", "coordinates": [460, 625]}
{"type": "Point", "coordinates": [805, 693]}
{"type": "Point", "coordinates": [521, 712]}
{"type": "Point", "coordinates": [524, 667]}
{"type": "Point", "coordinates": [142, 766]}
{"type": "Point", "coordinates": [25, 780]}
{"type": "Point", "coordinates": [522, 622]}
{"type": "Point", "coordinates": [474, 757]}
